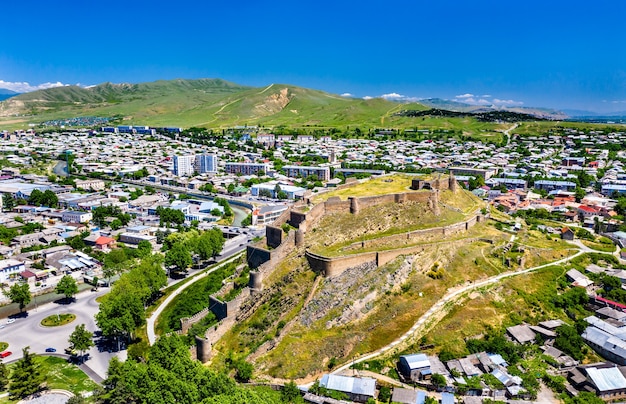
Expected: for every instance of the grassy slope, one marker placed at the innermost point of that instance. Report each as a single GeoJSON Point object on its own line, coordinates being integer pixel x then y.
{"type": "Point", "coordinates": [217, 104]}
{"type": "Point", "coordinates": [304, 351]}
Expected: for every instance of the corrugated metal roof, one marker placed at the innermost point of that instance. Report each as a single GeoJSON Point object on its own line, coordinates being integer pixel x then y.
{"type": "Point", "coordinates": [416, 361]}
{"type": "Point", "coordinates": [607, 379]}
{"type": "Point", "coordinates": [605, 340]}
{"type": "Point", "coordinates": [500, 375]}
{"type": "Point", "coordinates": [606, 327]}
{"type": "Point", "coordinates": [447, 398]}
{"type": "Point", "coordinates": [498, 359]}
{"type": "Point", "coordinates": [346, 384]}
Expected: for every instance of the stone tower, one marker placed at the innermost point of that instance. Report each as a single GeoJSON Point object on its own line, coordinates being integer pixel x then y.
{"type": "Point", "coordinates": [203, 349]}
{"type": "Point", "coordinates": [452, 185]}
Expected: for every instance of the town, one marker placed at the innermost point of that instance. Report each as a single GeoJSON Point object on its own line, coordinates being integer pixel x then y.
{"type": "Point", "coordinates": [84, 203]}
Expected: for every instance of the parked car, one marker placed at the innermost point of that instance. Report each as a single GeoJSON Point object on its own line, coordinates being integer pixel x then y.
{"type": "Point", "coordinates": [5, 354]}
{"type": "Point", "coordinates": [10, 321]}
{"type": "Point", "coordinates": [50, 349]}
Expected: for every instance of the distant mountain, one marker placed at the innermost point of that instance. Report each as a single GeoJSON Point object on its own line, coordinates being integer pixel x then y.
{"type": "Point", "coordinates": [6, 93]}
{"type": "Point", "coordinates": [542, 113]}
{"type": "Point", "coordinates": [577, 113]}
{"type": "Point", "coordinates": [439, 103]}
{"type": "Point", "coordinates": [219, 103]}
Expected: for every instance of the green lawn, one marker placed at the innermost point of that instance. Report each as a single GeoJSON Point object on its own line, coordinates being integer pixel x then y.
{"type": "Point", "coordinates": [61, 375]}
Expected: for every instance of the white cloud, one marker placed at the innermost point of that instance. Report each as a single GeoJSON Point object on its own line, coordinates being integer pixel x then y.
{"type": "Point", "coordinates": [466, 95]}
{"type": "Point", "coordinates": [507, 103]}
{"type": "Point", "coordinates": [347, 95]}
{"type": "Point", "coordinates": [367, 97]}
{"type": "Point", "coordinates": [25, 87]}
{"type": "Point", "coordinates": [393, 96]}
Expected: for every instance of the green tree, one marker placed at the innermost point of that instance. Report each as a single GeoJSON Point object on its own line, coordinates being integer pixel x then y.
{"type": "Point", "coordinates": [584, 397]}
{"type": "Point", "coordinates": [144, 248]}
{"type": "Point", "coordinates": [81, 339]}
{"type": "Point", "coordinates": [67, 286]}
{"type": "Point", "coordinates": [4, 376]}
{"type": "Point", "coordinates": [438, 380]}
{"type": "Point", "coordinates": [19, 293]}
{"type": "Point", "coordinates": [8, 203]}
{"type": "Point", "coordinates": [568, 341]}
{"type": "Point", "coordinates": [244, 371]}
{"type": "Point", "coordinates": [291, 393]}
{"type": "Point", "coordinates": [247, 221]}
{"type": "Point", "coordinates": [120, 314]}
{"type": "Point", "coordinates": [26, 378]}
{"type": "Point", "coordinates": [282, 195]}
{"type": "Point", "coordinates": [178, 256]}
{"type": "Point", "coordinates": [115, 224]}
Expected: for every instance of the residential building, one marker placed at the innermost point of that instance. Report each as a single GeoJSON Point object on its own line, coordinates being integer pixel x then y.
{"type": "Point", "coordinates": [606, 380]}
{"type": "Point", "coordinates": [474, 172]}
{"type": "Point", "coordinates": [267, 214]}
{"type": "Point", "coordinates": [76, 216]}
{"type": "Point", "coordinates": [9, 268]}
{"type": "Point", "coordinates": [247, 168]}
{"type": "Point", "coordinates": [292, 192]}
{"type": "Point", "coordinates": [555, 185]}
{"type": "Point", "coordinates": [183, 165]}
{"type": "Point", "coordinates": [90, 184]}
{"type": "Point", "coordinates": [135, 238]}
{"type": "Point", "coordinates": [206, 163]}
{"type": "Point", "coordinates": [415, 367]}
{"type": "Point", "coordinates": [322, 173]}
{"type": "Point", "coordinates": [358, 389]}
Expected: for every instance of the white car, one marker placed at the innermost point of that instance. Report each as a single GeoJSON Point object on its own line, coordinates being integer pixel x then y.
{"type": "Point", "coordinates": [10, 321]}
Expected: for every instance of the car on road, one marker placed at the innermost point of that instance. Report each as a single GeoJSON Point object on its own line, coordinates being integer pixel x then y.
{"type": "Point", "coordinates": [5, 354]}
{"type": "Point", "coordinates": [10, 321]}
{"type": "Point", "coordinates": [50, 349]}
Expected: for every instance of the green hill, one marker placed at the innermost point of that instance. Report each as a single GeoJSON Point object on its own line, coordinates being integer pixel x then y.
{"type": "Point", "coordinates": [217, 103]}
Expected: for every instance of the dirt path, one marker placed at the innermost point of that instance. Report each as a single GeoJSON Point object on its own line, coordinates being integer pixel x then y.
{"type": "Point", "coordinates": [437, 311]}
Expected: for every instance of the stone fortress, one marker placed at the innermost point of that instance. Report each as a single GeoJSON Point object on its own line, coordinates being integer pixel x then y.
{"type": "Point", "coordinates": [305, 215]}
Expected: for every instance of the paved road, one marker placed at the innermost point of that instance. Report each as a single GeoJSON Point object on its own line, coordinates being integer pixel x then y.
{"type": "Point", "coordinates": [151, 321]}
{"type": "Point", "coordinates": [27, 331]}
{"type": "Point", "coordinates": [453, 295]}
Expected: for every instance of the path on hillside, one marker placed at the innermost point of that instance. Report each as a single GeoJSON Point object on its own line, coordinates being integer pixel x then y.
{"type": "Point", "coordinates": [450, 296]}
{"type": "Point", "coordinates": [150, 322]}
{"type": "Point", "coordinates": [507, 132]}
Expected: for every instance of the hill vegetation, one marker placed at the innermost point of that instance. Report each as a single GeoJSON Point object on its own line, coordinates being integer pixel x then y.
{"type": "Point", "coordinates": [485, 116]}
{"type": "Point", "coordinates": [215, 103]}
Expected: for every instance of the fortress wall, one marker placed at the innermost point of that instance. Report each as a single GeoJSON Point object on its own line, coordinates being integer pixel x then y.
{"type": "Point", "coordinates": [335, 204]}
{"type": "Point", "coordinates": [187, 322]}
{"type": "Point", "coordinates": [336, 265]}
{"type": "Point", "coordinates": [418, 196]}
{"type": "Point", "coordinates": [278, 254]}
{"type": "Point", "coordinates": [332, 266]}
{"type": "Point", "coordinates": [385, 257]}
{"type": "Point", "coordinates": [315, 214]}
{"type": "Point", "coordinates": [274, 236]}
{"type": "Point", "coordinates": [256, 256]}
{"type": "Point", "coordinates": [455, 228]}
{"type": "Point", "coordinates": [283, 218]}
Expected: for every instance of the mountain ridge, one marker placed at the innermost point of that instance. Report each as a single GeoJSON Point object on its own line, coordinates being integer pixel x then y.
{"type": "Point", "coordinates": [211, 102]}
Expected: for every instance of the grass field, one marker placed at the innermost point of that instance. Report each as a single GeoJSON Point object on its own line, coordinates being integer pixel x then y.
{"type": "Point", "coordinates": [388, 184]}
{"type": "Point", "coordinates": [62, 375]}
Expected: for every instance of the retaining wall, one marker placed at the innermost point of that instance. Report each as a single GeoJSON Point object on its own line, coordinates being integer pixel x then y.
{"type": "Point", "coordinates": [332, 266]}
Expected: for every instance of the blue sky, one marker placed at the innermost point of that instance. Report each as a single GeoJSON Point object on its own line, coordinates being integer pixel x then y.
{"type": "Point", "coordinates": [561, 54]}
